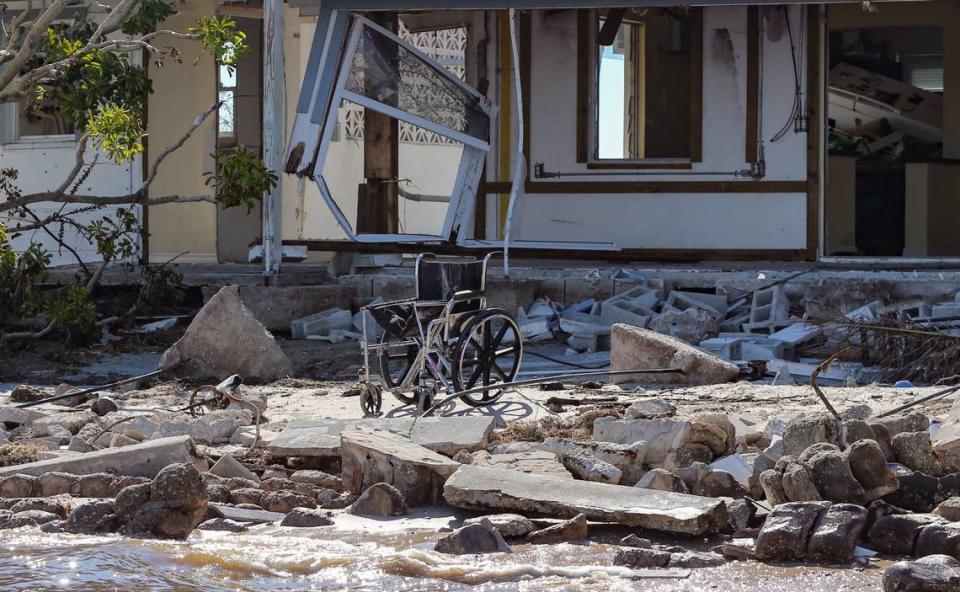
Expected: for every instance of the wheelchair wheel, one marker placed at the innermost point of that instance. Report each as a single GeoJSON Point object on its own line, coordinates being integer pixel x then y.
{"type": "Point", "coordinates": [395, 364]}
{"type": "Point", "coordinates": [488, 353]}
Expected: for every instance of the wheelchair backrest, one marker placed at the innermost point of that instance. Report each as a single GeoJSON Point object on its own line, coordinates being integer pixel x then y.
{"type": "Point", "coordinates": [440, 280]}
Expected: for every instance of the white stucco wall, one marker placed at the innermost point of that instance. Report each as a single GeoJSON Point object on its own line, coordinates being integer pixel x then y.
{"type": "Point", "coordinates": [670, 221]}
{"type": "Point", "coordinates": [43, 165]}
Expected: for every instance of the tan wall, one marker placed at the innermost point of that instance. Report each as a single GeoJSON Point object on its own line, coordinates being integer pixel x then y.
{"type": "Point", "coordinates": [932, 209]}
{"type": "Point", "coordinates": [944, 14]}
{"type": "Point", "coordinates": [183, 91]}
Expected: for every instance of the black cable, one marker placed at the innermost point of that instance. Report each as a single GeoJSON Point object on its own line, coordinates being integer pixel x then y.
{"type": "Point", "coordinates": [565, 363]}
{"type": "Point", "coordinates": [796, 108]}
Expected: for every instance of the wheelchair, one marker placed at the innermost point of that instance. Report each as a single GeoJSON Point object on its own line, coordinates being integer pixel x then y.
{"type": "Point", "coordinates": [443, 340]}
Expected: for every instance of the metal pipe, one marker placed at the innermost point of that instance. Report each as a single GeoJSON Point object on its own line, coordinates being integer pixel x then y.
{"type": "Point", "coordinates": [935, 395]}
{"type": "Point", "coordinates": [94, 389]}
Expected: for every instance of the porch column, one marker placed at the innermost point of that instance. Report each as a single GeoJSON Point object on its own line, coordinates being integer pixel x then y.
{"type": "Point", "coordinates": [274, 132]}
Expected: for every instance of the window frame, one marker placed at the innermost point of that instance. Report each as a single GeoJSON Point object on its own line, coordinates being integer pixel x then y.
{"type": "Point", "coordinates": [588, 96]}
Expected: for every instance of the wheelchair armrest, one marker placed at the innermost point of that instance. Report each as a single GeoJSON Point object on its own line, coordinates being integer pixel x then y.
{"type": "Point", "coordinates": [467, 295]}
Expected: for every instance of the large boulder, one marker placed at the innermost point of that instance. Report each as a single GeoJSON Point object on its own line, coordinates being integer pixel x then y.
{"type": "Point", "coordinates": [380, 499]}
{"type": "Point", "coordinates": [835, 533]}
{"type": "Point", "coordinates": [635, 348]}
{"type": "Point", "coordinates": [176, 505]}
{"type": "Point", "coordinates": [786, 530]}
{"type": "Point", "coordinates": [917, 576]}
{"type": "Point", "coordinates": [574, 529]}
{"type": "Point", "coordinates": [480, 537]}
{"type": "Point", "coordinates": [508, 525]}
{"type": "Point", "coordinates": [805, 431]}
{"type": "Point", "coordinates": [225, 338]}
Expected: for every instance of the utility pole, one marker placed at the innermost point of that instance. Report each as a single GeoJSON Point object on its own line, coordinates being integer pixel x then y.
{"type": "Point", "coordinates": [274, 133]}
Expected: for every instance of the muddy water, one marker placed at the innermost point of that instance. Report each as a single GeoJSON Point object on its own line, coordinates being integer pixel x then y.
{"type": "Point", "coordinates": [367, 556]}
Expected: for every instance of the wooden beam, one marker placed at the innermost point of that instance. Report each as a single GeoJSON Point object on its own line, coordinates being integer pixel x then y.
{"type": "Point", "coordinates": [274, 130]}
{"type": "Point", "coordinates": [378, 209]}
{"type": "Point", "coordinates": [814, 128]}
{"type": "Point", "coordinates": [583, 84]}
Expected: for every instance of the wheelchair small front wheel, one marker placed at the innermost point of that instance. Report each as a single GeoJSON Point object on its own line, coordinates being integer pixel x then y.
{"type": "Point", "coordinates": [487, 354]}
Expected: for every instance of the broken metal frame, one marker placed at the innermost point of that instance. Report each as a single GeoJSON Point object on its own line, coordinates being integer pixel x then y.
{"type": "Point", "coordinates": [317, 114]}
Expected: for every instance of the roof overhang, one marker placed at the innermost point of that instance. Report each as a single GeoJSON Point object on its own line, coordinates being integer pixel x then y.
{"type": "Point", "coordinates": [394, 5]}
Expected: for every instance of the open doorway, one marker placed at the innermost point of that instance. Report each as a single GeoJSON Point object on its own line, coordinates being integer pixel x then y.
{"type": "Point", "coordinates": [240, 124]}
{"type": "Point", "coordinates": [890, 185]}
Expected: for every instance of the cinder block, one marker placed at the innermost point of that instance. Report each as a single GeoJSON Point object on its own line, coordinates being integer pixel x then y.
{"type": "Point", "coordinates": [577, 289]}
{"type": "Point", "coordinates": [725, 347]}
{"type": "Point", "coordinates": [322, 323]}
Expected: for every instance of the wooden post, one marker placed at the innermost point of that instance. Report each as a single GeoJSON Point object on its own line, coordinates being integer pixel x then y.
{"type": "Point", "coordinates": [274, 131]}
{"type": "Point", "coordinates": [378, 209]}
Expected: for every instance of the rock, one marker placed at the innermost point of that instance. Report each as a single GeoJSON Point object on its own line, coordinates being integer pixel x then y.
{"type": "Point", "coordinates": [639, 558]}
{"type": "Point", "coordinates": [896, 534]}
{"type": "Point", "coordinates": [857, 412]}
{"type": "Point", "coordinates": [663, 437]}
{"type": "Point", "coordinates": [633, 347]}
{"type": "Point", "coordinates": [481, 537]}
{"type": "Point", "coordinates": [28, 518]}
{"type": "Point", "coordinates": [694, 560]}
{"type": "Point", "coordinates": [58, 431]}
{"type": "Point", "coordinates": [104, 405]}
{"type": "Point", "coordinates": [18, 485]}
{"type": "Point", "coordinates": [97, 485]}
{"type": "Point", "coordinates": [275, 472]}
{"type": "Point", "coordinates": [380, 499]}
{"type": "Point", "coordinates": [589, 468]}
{"type": "Point", "coordinates": [833, 478]}
{"type": "Point", "coordinates": [55, 483]}
{"type": "Point", "coordinates": [949, 509]}
{"type": "Point", "coordinates": [632, 540]}
{"type": "Point", "coordinates": [277, 484]}
{"type": "Point", "coordinates": [485, 489]}
{"type": "Point", "coordinates": [912, 422]}
{"type": "Point", "coordinates": [60, 507]}
{"type": "Point", "coordinates": [650, 409]}
{"type": "Point", "coordinates": [78, 444]}
{"type": "Point", "coordinates": [344, 500]}
{"type": "Point", "coordinates": [914, 450]}
{"type": "Point", "coordinates": [223, 524]}
{"type": "Point", "coordinates": [247, 495]}
{"type": "Point", "coordinates": [726, 446]}
{"type": "Point", "coordinates": [26, 394]}
{"type": "Point", "coordinates": [740, 512]}
{"type": "Point", "coordinates": [224, 338]}
{"type": "Point", "coordinates": [177, 503]}
{"type": "Point", "coordinates": [228, 467]}
{"type": "Point", "coordinates": [938, 539]}
{"type": "Point", "coordinates": [798, 484]}
{"type": "Point", "coordinates": [662, 480]}
{"type": "Point", "coordinates": [508, 525]}
{"type": "Point", "coordinates": [574, 529]}
{"type": "Point", "coordinates": [14, 416]}
{"type": "Point", "coordinates": [786, 530]}
{"type": "Point", "coordinates": [143, 460]}
{"type": "Point", "coordinates": [233, 483]}
{"type": "Point", "coordinates": [739, 549]}
{"type": "Point", "coordinates": [219, 494]}
{"type": "Point", "coordinates": [772, 483]}
{"type": "Point", "coordinates": [71, 421]}
{"type": "Point", "coordinates": [318, 478]}
{"type": "Point", "coordinates": [836, 532]}
{"type": "Point", "coordinates": [381, 457]}
{"type": "Point", "coordinates": [869, 467]}
{"type": "Point", "coordinates": [939, 560]}
{"type": "Point", "coordinates": [285, 501]}
{"type": "Point", "coordinates": [691, 326]}
{"type": "Point", "coordinates": [716, 483]}
{"type": "Point", "coordinates": [691, 473]}
{"type": "Point", "coordinates": [139, 428]}
{"type": "Point", "coordinates": [130, 499]}
{"type": "Point", "coordinates": [306, 518]}
{"type": "Point", "coordinates": [914, 576]}
{"type": "Point", "coordinates": [916, 492]}
{"type": "Point", "coordinates": [92, 518]}
{"type": "Point", "coordinates": [857, 430]}
{"type": "Point", "coordinates": [805, 431]}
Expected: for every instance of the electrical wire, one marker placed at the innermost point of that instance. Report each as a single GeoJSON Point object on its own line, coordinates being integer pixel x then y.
{"type": "Point", "coordinates": [796, 110]}
{"type": "Point", "coordinates": [565, 363]}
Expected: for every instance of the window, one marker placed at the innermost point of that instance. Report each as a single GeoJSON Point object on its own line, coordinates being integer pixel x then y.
{"type": "Point", "coordinates": [227, 94]}
{"type": "Point", "coordinates": [646, 85]}
{"type": "Point", "coordinates": [41, 117]}
{"type": "Point", "coordinates": [924, 71]}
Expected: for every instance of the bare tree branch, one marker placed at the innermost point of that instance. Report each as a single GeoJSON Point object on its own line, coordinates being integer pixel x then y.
{"type": "Point", "coordinates": [37, 30]}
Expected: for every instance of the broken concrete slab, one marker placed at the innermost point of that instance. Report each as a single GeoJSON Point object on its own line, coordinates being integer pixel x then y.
{"type": "Point", "coordinates": [321, 323]}
{"type": "Point", "coordinates": [368, 458]}
{"type": "Point", "coordinates": [16, 416]}
{"type": "Point", "coordinates": [245, 515]}
{"type": "Point", "coordinates": [634, 348]}
{"type": "Point", "coordinates": [225, 338]}
{"type": "Point", "coordinates": [535, 462]}
{"type": "Point", "coordinates": [228, 467]}
{"type": "Point", "coordinates": [139, 460]}
{"type": "Point", "coordinates": [664, 437]}
{"type": "Point", "coordinates": [483, 488]}
{"type": "Point", "coordinates": [321, 437]}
